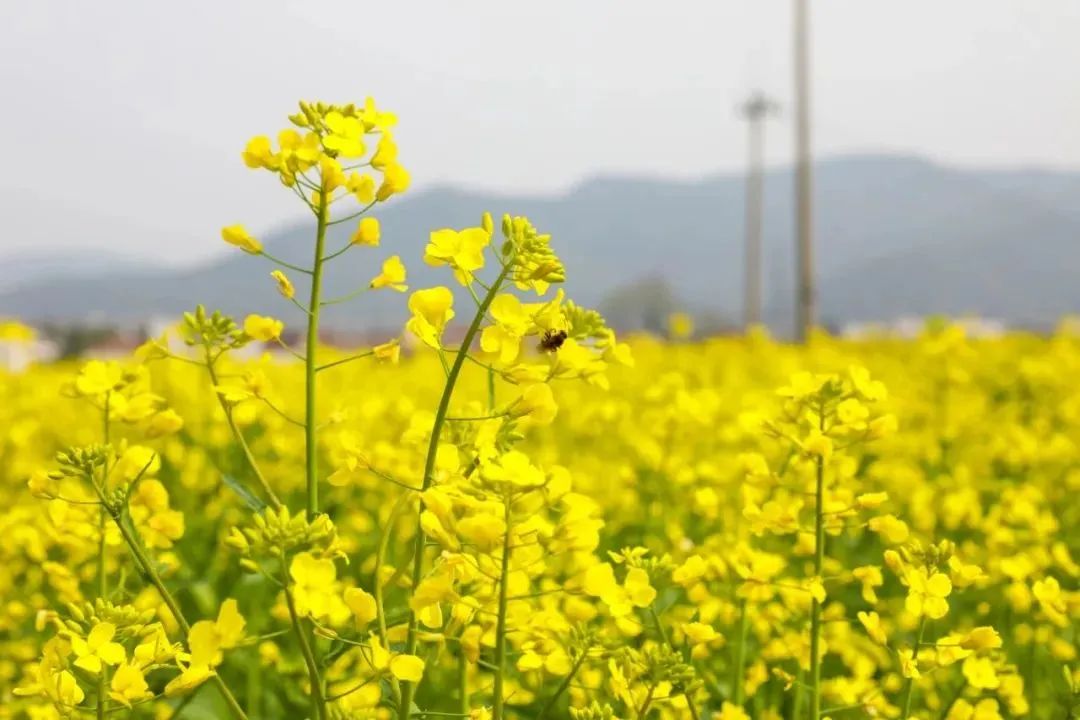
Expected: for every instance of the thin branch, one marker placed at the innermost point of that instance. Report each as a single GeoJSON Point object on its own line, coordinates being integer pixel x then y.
{"type": "Point", "coordinates": [355, 215]}
{"type": "Point", "coordinates": [271, 497]}
{"type": "Point", "coordinates": [281, 412]}
{"type": "Point", "coordinates": [477, 418]}
{"type": "Point", "coordinates": [289, 350]}
{"type": "Point", "coordinates": [342, 361]}
{"type": "Point", "coordinates": [281, 262]}
{"type": "Point", "coordinates": [338, 253]}
{"type": "Point", "coordinates": [345, 298]}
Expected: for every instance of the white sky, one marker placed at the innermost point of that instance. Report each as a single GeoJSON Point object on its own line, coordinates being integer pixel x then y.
{"type": "Point", "coordinates": [123, 120]}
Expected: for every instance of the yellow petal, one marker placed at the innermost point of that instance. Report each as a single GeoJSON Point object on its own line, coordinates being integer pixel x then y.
{"type": "Point", "coordinates": [408, 668]}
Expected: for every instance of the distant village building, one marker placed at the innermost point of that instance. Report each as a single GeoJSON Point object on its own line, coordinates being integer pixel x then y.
{"type": "Point", "coordinates": [117, 346]}
{"type": "Point", "coordinates": [17, 355]}
{"type": "Point", "coordinates": [122, 345]}
{"type": "Point", "coordinates": [910, 327]}
{"type": "Point", "coordinates": [20, 347]}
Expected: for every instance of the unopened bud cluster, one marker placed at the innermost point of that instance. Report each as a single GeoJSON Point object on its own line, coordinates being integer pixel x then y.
{"type": "Point", "coordinates": [533, 259]}
{"type": "Point", "coordinates": [214, 330]}
{"type": "Point", "coordinates": [276, 533]}
{"type": "Point", "coordinates": [129, 620]}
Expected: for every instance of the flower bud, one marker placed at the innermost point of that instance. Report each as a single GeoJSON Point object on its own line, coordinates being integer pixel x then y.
{"type": "Point", "coordinates": [76, 612]}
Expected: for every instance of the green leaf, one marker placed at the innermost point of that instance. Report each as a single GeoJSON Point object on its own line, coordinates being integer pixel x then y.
{"type": "Point", "coordinates": [250, 499]}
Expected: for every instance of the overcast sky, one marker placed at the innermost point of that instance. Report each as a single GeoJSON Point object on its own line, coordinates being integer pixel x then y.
{"type": "Point", "coordinates": [123, 120]}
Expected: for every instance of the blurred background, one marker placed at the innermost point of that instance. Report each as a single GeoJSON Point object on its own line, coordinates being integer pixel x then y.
{"type": "Point", "coordinates": [943, 156]}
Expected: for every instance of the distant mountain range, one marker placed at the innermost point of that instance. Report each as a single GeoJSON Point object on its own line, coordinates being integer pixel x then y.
{"type": "Point", "coordinates": [895, 236]}
{"type": "Point", "coordinates": [27, 268]}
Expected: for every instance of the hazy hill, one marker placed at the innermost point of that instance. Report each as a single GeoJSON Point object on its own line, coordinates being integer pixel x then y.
{"type": "Point", "coordinates": [23, 268]}
{"type": "Point", "coordinates": [895, 236]}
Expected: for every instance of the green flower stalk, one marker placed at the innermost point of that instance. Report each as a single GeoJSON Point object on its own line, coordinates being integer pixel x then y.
{"type": "Point", "coordinates": [310, 360]}
{"type": "Point", "coordinates": [815, 608]}
{"type": "Point", "coordinates": [500, 626]}
{"type": "Point", "coordinates": [102, 570]}
{"type": "Point", "coordinates": [408, 688]}
{"type": "Point", "coordinates": [135, 546]}
{"type": "Point", "coordinates": [332, 134]}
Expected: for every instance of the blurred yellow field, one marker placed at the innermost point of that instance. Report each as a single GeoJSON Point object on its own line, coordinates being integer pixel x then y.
{"type": "Point", "coordinates": [537, 519]}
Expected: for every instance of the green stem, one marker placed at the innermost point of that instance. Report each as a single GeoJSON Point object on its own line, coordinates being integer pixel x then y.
{"type": "Point", "coordinates": [102, 571]}
{"type": "Point", "coordinates": [565, 685]}
{"type": "Point", "coordinates": [844, 708]}
{"type": "Point", "coordinates": [463, 683]}
{"type": "Point", "coordinates": [317, 701]}
{"type": "Point", "coordinates": [659, 625]}
{"type": "Point", "coordinates": [342, 361]}
{"type": "Point", "coordinates": [815, 608]}
{"type": "Point", "coordinates": [184, 702]}
{"type": "Point", "coordinates": [909, 689]}
{"type": "Point", "coordinates": [694, 714]}
{"type": "Point", "coordinates": [174, 607]}
{"type": "Point", "coordinates": [955, 697]}
{"type": "Point", "coordinates": [249, 456]}
{"type": "Point", "coordinates": [310, 364]}
{"type": "Point", "coordinates": [407, 688]}
{"type": "Point", "coordinates": [1029, 671]}
{"type": "Point", "coordinates": [282, 263]}
{"type": "Point", "coordinates": [380, 559]}
{"type": "Point", "coordinates": [346, 297]}
{"type": "Point", "coordinates": [647, 704]}
{"type": "Point", "coordinates": [739, 671]}
{"type": "Point", "coordinates": [500, 625]}
{"type": "Point", "coordinates": [254, 683]}
{"type": "Point", "coordinates": [797, 701]}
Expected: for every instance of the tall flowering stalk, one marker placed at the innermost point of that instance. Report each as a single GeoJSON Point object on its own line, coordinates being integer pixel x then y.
{"type": "Point", "coordinates": [822, 413]}
{"type": "Point", "coordinates": [526, 261]}
{"type": "Point", "coordinates": [572, 343]}
{"type": "Point", "coordinates": [321, 161]}
{"type": "Point", "coordinates": [428, 324]}
{"type": "Point", "coordinates": [119, 482]}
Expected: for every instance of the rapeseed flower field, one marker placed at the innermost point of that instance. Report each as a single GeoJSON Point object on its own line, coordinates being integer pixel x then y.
{"type": "Point", "coordinates": [539, 520]}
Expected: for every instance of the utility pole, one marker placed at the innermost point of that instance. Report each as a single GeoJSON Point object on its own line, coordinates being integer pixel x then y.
{"type": "Point", "coordinates": [754, 111]}
{"type": "Point", "coordinates": [805, 300]}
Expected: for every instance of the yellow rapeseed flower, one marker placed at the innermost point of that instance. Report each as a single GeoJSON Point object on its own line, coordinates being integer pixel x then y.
{"type": "Point", "coordinates": [238, 236]}
{"type": "Point", "coordinates": [265, 329]}
{"type": "Point", "coordinates": [392, 275]}
{"type": "Point", "coordinates": [285, 286]}
{"type": "Point", "coordinates": [367, 232]}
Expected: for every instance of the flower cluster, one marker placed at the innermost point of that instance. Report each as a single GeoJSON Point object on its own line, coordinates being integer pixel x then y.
{"type": "Point", "coordinates": [506, 511]}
